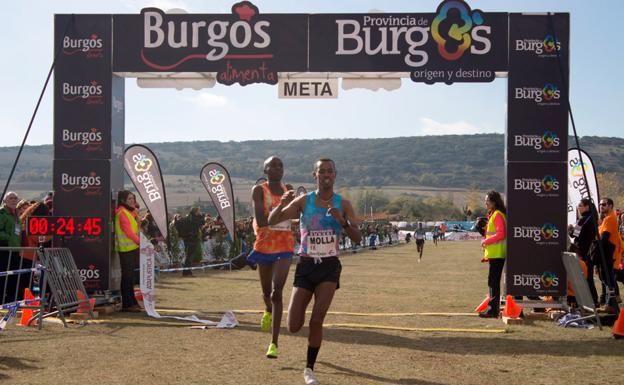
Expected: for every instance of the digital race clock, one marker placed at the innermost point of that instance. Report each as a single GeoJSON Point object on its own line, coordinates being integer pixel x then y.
{"type": "Point", "coordinates": [67, 226]}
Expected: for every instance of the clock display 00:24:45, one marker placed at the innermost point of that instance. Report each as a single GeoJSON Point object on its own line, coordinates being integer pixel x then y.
{"type": "Point", "coordinates": [68, 226]}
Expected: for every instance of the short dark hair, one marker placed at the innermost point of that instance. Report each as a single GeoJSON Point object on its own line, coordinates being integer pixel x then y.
{"type": "Point", "coordinates": [609, 201]}
{"type": "Point", "coordinates": [324, 160]}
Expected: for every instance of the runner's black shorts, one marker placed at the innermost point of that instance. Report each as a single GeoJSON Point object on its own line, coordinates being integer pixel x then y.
{"type": "Point", "coordinates": [420, 241]}
{"type": "Point", "coordinates": [308, 275]}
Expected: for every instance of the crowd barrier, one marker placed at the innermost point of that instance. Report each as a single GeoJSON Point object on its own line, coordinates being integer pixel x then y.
{"type": "Point", "coordinates": [164, 263]}
{"type": "Point", "coordinates": [20, 275]}
{"type": "Point", "coordinates": [26, 270]}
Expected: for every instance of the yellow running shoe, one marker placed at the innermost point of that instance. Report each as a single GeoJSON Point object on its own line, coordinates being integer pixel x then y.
{"type": "Point", "coordinates": [272, 351]}
{"type": "Point", "coordinates": [265, 323]}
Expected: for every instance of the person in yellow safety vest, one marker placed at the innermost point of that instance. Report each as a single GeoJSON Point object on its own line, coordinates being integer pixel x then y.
{"type": "Point", "coordinates": [127, 246]}
{"type": "Point", "coordinates": [495, 249]}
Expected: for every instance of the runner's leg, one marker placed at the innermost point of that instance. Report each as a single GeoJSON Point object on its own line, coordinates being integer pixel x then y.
{"type": "Point", "coordinates": [299, 300]}
{"type": "Point", "coordinates": [323, 296]}
{"type": "Point", "coordinates": [280, 272]}
{"type": "Point", "coordinates": [266, 273]}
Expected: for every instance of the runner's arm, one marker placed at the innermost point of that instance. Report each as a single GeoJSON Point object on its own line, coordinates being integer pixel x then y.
{"type": "Point", "coordinates": [352, 229]}
{"type": "Point", "coordinates": [288, 208]}
{"type": "Point", "coordinates": [258, 206]}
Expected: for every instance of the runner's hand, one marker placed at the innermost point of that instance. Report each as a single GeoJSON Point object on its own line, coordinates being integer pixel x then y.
{"type": "Point", "coordinates": [287, 197]}
{"type": "Point", "coordinates": [334, 212]}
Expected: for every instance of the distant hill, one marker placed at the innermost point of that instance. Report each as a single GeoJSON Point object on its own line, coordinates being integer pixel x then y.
{"type": "Point", "coordinates": [451, 161]}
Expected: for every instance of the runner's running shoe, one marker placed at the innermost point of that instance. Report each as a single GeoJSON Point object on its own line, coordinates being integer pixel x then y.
{"type": "Point", "coordinates": [272, 351]}
{"type": "Point", "coordinates": [265, 323]}
{"type": "Point", "coordinates": [309, 377]}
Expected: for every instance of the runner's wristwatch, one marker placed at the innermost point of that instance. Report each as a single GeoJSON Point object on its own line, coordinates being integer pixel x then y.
{"type": "Point", "coordinates": [347, 224]}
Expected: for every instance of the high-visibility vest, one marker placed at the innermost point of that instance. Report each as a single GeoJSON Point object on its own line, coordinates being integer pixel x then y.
{"type": "Point", "coordinates": [122, 242]}
{"type": "Point", "coordinates": [496, 250]}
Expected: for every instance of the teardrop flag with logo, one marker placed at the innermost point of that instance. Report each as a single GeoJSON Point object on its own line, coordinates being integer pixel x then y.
{"type": "Point", "coordinates": [577, 188]}
{"type": "Point", "coordinates": [218, 183]}
{"type": "Point", "coordinates": [142, 166]}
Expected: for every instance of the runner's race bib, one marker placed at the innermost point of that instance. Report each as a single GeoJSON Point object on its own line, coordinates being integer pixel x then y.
{"type": "Point", "coordinates": [420, 237]}
{"type": "Point", "coordinates": [322, 243]}
{"type": "Point", "coordinates": [282, 226]}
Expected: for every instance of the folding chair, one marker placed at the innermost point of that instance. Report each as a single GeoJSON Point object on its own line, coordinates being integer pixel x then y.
{"type": "Point", "coordinates": [581, 289]}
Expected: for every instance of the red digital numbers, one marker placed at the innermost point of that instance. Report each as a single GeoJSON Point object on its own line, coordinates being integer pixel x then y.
{"type": "Point", "coordinates": [64, 226]}
{"type": "Point", "coordinates": [92, 226]}
{"type": "Point", "coordinates": [38, 226]}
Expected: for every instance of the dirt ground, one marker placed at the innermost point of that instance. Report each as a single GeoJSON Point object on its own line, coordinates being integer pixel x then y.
{"type": "Point", "coordinates": [134, 349]}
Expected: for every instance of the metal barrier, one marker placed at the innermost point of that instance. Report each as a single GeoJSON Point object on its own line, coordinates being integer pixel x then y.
{"type": "Point", "coordinates": [20, 270]}
{"type": "Point", "coordinates": [581, 289]}
{"type": "Point", "coordinates": [68, 292]}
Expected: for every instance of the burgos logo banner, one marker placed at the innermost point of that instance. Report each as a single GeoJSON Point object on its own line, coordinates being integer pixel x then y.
{"type": "Point", "coordinates": [546, 186]}
{"type": "Point", "coordinates": [548, 281]}
{"type": "Point", "coordinates": [217, 182]}
{"type": "Point", "coordinates": [542, 48]}
{"type": "Point", "coordinates": [454, 44]}
{"type": "Point", "coordinates": [142, 165]}
{"type": "Point", "coordinates": [90, 139]}
{"type": "Point", "coordinates": [90, 184]}
{"type": "Point", "coordinates": [547, 95]}
{"type": "Point", "coordinates": [547, 234]}
{"type": "Point", "coordinates": [542, 144]}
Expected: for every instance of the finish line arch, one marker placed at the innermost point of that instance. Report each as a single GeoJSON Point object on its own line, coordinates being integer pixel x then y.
{"type": "Point", "coordinates": [453, 44]}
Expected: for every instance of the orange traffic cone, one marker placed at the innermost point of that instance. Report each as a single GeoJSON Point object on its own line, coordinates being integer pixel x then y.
{"type": "Point", "coordinates": [483, 304]}
{"type": "Point", "coordinates": [138, 295]}
{"type": "Point", "coordinates": [84, 307]}
{"type": "Point", "coordinates": [27, 314]}
{"type": "Point", "coordinates": [512, 309]}
{"type": "Point", "coordinates": [618, 326]}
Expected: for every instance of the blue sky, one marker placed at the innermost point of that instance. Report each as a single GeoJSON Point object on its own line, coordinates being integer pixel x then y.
{"type": "Point", "coordinates": [254, 112]}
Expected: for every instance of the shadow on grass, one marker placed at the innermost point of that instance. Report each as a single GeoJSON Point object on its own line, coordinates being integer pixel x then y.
{"type": "Point", "coordinates": [353, 373]}
{"type": "Point", "coordinates": [475, 345]}
{"type": "Point", "coordinates": [16, 363]}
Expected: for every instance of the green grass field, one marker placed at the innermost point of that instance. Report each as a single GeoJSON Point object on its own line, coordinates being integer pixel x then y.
{"type": "Point", "coordinates": [133, 349]}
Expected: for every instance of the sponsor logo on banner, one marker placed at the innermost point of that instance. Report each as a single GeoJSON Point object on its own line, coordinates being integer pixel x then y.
{"type": "Point", "coordinates": [542, 48]}
{"type": "Point", "coordinates": [545, 235]}
{"type": "Point", "coordinates": [548, 186]}
{"type": "Point", "coordinates": [90, 139]}
{"type": "Point", "coordinates": [548, 95]}
{"type": "Point", "coordinates": [91, 273]}
{"type": "Point", "coordinates": [547, 281]}
{"type": "Point", "coordinates": [456, 30]}
{"type": "Point", "coordinates": [91, 93]}
{"type": "Point", "coordinates": [142, 165]}
{"type": "Point", "coordinates": [90, 184]}
{"type": "Point", "coordinates": [90, 47]}
{"type": "Point", "coordinates": [234, 43]}
{"type": "Point", "coordinates": [547, 143]}
{"type": "Point", "coordinates": [216, 180]}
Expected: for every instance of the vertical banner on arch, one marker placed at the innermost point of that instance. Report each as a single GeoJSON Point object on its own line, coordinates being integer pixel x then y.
{"type": "Point", "coordinates": [217, 181]}
{"type": "Point", "coordinates": [577, 188]}
{"type": "Point", "coordinates": [142, 166]}
{"type": "Point", "coordinates": [537, 134]}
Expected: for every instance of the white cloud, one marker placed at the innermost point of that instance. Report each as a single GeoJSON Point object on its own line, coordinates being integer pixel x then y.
{"type": "Point", "coordinates": [429, 126]}
{"type": "Point", "coordinates": [208, 100]}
